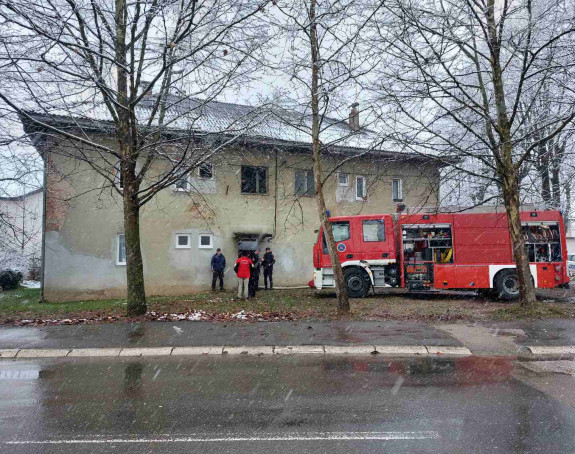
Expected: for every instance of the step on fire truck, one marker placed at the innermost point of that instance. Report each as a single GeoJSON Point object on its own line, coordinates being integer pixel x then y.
{"type": "Point", "coordinates": [423, 252]}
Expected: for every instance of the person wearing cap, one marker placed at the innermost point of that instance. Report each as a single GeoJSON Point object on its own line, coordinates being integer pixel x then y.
{"type": "Point", "coordinates": [218, 268]}
{"type": "Point", "coordinates": [268, 261]}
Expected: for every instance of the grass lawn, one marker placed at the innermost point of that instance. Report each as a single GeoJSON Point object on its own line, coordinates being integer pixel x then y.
{"type": "Point", "coordinates": [23, 304]}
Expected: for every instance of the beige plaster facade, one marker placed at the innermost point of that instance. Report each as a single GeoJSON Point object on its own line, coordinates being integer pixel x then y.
{"type": "Point", "coordinates": [84, 220]}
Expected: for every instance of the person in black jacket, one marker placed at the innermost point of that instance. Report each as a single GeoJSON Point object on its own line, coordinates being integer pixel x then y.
{"type": "Point", "coordinates": [268, 266]}
{"type": "Point", "coordinates": [255, 276]}
{"type": "Point", "coordinates": [218, 267]}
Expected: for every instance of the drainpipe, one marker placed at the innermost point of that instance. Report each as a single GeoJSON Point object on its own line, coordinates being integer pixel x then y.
{"type": "Point", "coordinates": [276, 193]}
{"type": "Point", "coordinates": [43, 259]}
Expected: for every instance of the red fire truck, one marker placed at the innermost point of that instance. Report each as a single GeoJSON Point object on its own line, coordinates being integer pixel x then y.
{"type": "Point", "coordinates": [422, 252]}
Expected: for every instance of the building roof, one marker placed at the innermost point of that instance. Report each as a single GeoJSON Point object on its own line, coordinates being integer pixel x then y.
{"type": "Point", "coordinates": [265, 126]}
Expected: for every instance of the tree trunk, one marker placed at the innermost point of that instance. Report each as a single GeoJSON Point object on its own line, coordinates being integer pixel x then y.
{"type": "Point", "coordinates": [512, 207]}
{"type": "Point", "coordinates": [134, 263]}
{"type": "Point", "coordinates": [557, 158]}
{"type": "Point", "coordinates": [544, 172]}
{"type": "Point", "coordinates": [506, 167]}
{"type": "Point", "coordinates": [340, 286]}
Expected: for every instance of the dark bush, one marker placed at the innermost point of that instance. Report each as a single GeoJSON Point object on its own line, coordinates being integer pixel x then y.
{"type": "Point", "coordinates": [10, 279]}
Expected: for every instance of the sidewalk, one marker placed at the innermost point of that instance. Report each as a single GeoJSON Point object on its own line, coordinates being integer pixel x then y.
{"type": "Point", "coordinates": [527, 339]}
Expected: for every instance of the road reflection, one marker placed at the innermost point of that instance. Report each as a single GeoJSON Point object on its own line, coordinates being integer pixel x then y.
{"type": "Point", "coordinates": [469, 402]}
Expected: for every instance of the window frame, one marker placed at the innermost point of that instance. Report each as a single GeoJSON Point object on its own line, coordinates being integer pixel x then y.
{"type": "Point", "coordinates": [210, 236]}
{"type": "Point", "coordinates": [363, 197]}
{"type": "Point", "coordinates": [306, 174]}
{"type": "Point", "coordinates": [188, 183]}
{"type": "Point", "coordinates": [339, 183]}
{"type": "Point", "coordinates": [324, 241]}
{"type": "Point", "coordinates": [256, 192]}
{"type": "Point", "coordinates": [118, 180]}
{"type": "Point", "coordinates": [118, 262]}
{"type": "Point", "coordinates": [399, 190]}
{"type": "Point", "coordinates": [188, 236]}
{"type": "Point", "coordinates": [365, 222]}
{"type": "Point", "coordinates": [211, 164]}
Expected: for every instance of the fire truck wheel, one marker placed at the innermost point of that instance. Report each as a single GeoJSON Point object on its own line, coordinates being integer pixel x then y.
{"type": "Point", "coordinates": [507, 285]}
{"type": "Point", "coordinates": [357, 282]}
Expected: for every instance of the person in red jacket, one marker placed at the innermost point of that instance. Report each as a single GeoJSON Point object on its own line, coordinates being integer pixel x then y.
{"type": "Point", "coordinates": [243, 269]}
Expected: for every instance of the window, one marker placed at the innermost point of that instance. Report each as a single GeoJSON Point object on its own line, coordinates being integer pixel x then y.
{"type": "Point", "coordinates": [121, 250]}
{"type": "Point", "coordinates": [373, 230]}
{"type": "Point", "coordinates": [254, 180]}
{"type": "Point", "coordinates": [183, 241]}
{"type": "Point", "coordinates": [343, 179]}
{"type": "Point", "coordinates": [360, 188]}
{"type": "Point", "coordinates": [206, 171]}
{"type": "Point", "coordinates": [118, 178]}
{"type": "Point", "coordinates": [340, 231]}
{"type": "Point", "coordinates": [183, 184]}
{"type": "Point", "coordinates": [205, 241]}
{"type": "Point", "coordinates": [304, 183]}
{"type": "Point", "coordinates": [397, 190]}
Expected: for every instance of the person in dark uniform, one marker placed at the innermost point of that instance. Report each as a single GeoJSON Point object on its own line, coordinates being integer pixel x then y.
{"type": "Point", "coordinates": [218, 268]}
{"type": "Point", "coordinates": [268, 266]}
{"type": "Point", "coordinates": [255, 276]}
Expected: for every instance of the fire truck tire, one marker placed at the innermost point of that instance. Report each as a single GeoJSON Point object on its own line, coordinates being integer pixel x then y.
{"type": "Point", "coordinates": [357, 282]}
{"type": "Point", "coordinates": [506, 285]}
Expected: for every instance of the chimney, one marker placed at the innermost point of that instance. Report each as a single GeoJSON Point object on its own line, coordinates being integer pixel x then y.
{"type": "Point", "coordinates": [354, 117]}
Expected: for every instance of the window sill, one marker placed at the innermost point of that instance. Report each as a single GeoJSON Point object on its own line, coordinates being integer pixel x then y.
{"type": "Point", "coordinates": [183, 247]}
{"type": "Point", "coordinates": [309, 196]}
{"type": "Point", "coordinates": [397, 200]}
{"type": "Point", "coordinates": [182, 190]}
{"type": "Point", "coordinates": [120, 263]}
{"type": "Point", "coordinates": [255, 193]}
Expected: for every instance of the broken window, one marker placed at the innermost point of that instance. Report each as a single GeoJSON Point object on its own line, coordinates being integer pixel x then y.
{"type": "Point", "coordinates": [254, 180]}
{"type": "Point", "coordinates": [304, 183]}
{"type": "Point", "coordinates": [183, 183]}
{"type": "Point", "coordinates": [206, 170]}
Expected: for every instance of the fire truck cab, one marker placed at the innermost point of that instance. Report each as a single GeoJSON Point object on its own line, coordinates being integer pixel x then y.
{"type": "Point", "coordinates": [367, 252]}
{"type": "Point", "coordinates": [423, 252]}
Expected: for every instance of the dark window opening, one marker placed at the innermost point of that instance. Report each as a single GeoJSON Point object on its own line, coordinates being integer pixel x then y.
{"type": "Point", "coordinates": [254, 180]}
{"type": "Point", "coordinates": [304, 183]}
{"type": "Point", "coordinates": [206, 170]}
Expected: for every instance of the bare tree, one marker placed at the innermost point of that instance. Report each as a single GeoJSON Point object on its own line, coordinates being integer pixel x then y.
{"type": "Point", "coordinates": [455, 75]}
{"type": "Point", "coordinates": [324, 64]}
{"type": "Point", "coordinates": [133, 70]}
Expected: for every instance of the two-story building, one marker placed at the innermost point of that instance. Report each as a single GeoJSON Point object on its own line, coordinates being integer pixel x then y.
{"type": "Point", "coordinates": [256, 191]}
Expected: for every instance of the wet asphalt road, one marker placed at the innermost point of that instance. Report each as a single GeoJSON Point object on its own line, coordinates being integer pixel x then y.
{"type": "Point", "coordinates": [271, 404]}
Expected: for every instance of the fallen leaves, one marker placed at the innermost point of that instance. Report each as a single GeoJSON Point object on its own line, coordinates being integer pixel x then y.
{"type": "Point", "coordinates": [190, 315]}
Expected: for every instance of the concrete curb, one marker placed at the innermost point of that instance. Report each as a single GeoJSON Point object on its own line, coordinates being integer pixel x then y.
{"type": "Point", "coordinates": [559, 350]}
{"type": "Point", "coordinates": [385, 350]}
